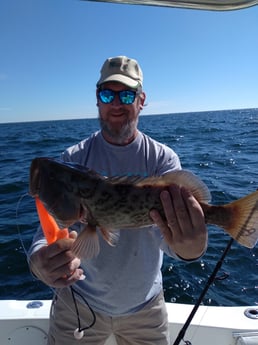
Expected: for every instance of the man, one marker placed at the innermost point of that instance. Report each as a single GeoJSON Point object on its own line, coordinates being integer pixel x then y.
{"type": "Point", "coordinates": [122, 292]}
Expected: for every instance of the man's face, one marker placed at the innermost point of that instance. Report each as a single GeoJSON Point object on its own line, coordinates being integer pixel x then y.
{"type": "Point", "coordinates": [119, 121]}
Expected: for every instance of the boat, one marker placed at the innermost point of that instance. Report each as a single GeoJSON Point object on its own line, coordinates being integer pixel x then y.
{"type": "Point", "coordinates": [211, 5]}
{"type": "Point", "coordinates": [25, 322]}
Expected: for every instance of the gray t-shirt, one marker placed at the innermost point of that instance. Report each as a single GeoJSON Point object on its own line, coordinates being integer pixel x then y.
{"type": "Point", "coordinates": [122, 279]}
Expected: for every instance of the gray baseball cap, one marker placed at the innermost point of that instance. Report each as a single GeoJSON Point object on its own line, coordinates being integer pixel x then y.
{"type": "Point", "coordinates": [123, 70]}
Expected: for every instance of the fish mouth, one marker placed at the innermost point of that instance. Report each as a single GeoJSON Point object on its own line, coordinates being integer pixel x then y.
{"type": "Point", "coordinates": [81, 217]}
{"type": "Point", "coordinates": [62, 224]}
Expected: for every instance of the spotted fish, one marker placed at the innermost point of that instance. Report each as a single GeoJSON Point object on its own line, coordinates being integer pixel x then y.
{"type": "Point", "coordinates": [72, 193]}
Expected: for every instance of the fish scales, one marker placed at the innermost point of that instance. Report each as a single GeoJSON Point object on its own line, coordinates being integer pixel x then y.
{"type": "Point", "coordinates": [123, 206]}
{"type": "Point", "coordinates": [72, 193]}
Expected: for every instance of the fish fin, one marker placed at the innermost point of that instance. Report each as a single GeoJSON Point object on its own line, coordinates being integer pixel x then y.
{"type": "Point", "coordinates": [243, 223]}
{"type": "Point", "coordinates": [86, 245]}
{"type": "Point", "coordinates": [183, 178]}
{"type": "Point", "coordinates": [111, 237]}
{"type": "Point", "coordinates": [78, 169]}
{"type": "Point", "coordinates": [134, 179]}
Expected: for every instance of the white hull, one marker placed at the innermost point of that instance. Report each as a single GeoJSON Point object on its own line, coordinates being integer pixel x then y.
{"type": "Point", "coordinates": [20, 325]}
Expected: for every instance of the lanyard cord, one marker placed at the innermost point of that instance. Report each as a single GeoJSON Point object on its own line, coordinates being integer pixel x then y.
{"type": "Point", "coordinates": [73, 291]}
{"type": "Point", "coordinates": [207, 286]}
{"type": "Point", "coordinates": [181, 334]}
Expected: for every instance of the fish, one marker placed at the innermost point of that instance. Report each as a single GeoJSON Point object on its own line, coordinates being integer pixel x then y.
{"type": "Point", "coordinates": [73, 193]}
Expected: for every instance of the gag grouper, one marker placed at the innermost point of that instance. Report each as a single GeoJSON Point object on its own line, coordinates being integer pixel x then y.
{"type": "Point", "coordinates": [72, 193]}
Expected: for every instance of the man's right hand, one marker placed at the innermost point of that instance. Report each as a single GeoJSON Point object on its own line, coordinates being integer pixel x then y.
{"type": "Point", "coordinates": [55, 265]}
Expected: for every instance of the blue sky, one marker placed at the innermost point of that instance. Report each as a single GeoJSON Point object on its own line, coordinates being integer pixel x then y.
{"type": "Point", "coordinates": [51, 52]}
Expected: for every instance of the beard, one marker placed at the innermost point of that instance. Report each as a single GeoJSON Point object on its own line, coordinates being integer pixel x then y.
{"type": "Point", "coordinates": [121, 135]}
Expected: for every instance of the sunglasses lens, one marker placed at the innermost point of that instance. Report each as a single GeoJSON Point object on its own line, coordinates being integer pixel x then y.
{"type": "Point", "coordinates": [127, 96]}
{"type": "Point", "coordinates": [106, 96]}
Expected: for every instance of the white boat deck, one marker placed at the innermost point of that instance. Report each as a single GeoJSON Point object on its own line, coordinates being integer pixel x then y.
{"type": "Point", "coordinates": [20, 325]}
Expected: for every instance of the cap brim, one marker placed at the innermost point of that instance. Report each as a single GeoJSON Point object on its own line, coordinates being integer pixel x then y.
{"type": "Point", "coordinates": [120, 79]}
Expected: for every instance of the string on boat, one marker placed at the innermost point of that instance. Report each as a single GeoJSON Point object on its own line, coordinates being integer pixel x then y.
{"type": "Point", "coordinates": [211, 279]}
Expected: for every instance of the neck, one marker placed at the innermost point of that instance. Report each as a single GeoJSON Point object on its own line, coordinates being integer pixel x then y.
{"type": "Point", "coordinates": [119, 140]}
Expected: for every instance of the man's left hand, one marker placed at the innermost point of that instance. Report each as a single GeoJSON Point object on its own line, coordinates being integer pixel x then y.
{"type": "Point", "coordinates": [184, 229]}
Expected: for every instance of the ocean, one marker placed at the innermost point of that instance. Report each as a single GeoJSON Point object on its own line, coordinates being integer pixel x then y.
{"type": "Point", "coordinates": [219, 146]}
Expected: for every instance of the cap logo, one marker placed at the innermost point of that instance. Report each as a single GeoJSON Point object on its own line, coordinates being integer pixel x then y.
{"type": "Point", "coordinates": [117, 64]}
{"type": "Point", "coordinates": [125, 67]}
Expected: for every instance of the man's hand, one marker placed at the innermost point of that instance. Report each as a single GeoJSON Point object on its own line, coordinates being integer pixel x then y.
{"type": "Point", "coordinates": [184, 229]}
{"type": "Point", "coordinates": [56, 265]}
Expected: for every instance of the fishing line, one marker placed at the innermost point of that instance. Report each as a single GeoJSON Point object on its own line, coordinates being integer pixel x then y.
{"type": "Point", "coordinates": [18, 226]}
{"type": "Point", "coordinates": [211, 279]}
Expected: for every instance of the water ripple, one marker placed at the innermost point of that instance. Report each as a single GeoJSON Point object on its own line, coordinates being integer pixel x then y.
{"type": "Point", "coordinates": [220, 147]}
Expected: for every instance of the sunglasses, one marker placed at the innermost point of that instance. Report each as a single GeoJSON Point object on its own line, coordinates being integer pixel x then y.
{"type": "Point", "coordinates": [126, 96]}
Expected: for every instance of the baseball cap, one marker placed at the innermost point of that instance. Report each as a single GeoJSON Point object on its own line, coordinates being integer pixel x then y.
{"type": "Point", "coordinates": [123, 70]}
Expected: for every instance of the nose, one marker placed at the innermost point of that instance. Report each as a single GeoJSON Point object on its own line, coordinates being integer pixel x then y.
{"type": "Point", "coordinates": [116, 102]}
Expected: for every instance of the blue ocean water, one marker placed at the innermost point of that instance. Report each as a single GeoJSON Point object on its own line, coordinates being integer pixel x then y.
{"type": "Point", "coordinates": [219, 146]}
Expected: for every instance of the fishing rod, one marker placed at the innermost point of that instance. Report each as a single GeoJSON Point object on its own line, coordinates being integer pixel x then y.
{"type": "Point", "coordinates": [211, 279]}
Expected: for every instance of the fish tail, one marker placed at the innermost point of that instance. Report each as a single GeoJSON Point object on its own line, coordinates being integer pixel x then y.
{"type": "Point", "coordinates": [48, 224]}
{"type": "Point", "coordinates": [239, 219]}
{"type": "Point", "coordinates": [86, 245]}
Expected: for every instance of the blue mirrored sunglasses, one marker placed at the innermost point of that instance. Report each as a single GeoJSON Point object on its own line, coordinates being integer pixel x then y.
{"type": "Point", "coordinates": [126, 96]}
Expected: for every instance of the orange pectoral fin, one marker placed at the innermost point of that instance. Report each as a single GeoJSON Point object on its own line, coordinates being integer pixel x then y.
{"type": "Point", "coordinates": [48, 223]}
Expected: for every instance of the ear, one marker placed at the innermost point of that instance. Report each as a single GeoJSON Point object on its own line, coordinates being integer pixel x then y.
{"type": "Point", "coordinates": [97, 104]}
{"type": "Point", "coordinates": [142, 100]}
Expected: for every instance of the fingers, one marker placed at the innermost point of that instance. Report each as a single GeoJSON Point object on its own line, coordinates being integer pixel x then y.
{"type": "Point", "coordinates": [165, 230]}
{"type": "Point", "coordinates": [56, 265]}
{"type": "Point", "coordinates": [176, 210]}
{"type": "Point", "coordinates": [184, 227]}
{"type": "Point", "coordinates": [178, 216]}
{"type": "Point", "coordinates": [69, 279]}
{"type": "Point", "coordinates": [73, 234]}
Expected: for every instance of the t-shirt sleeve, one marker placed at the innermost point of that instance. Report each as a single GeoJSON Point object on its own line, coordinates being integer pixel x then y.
{"type": "Point", "coordinates": [38, 241]}
{"type": "Point", "coordinates": [168, 161]}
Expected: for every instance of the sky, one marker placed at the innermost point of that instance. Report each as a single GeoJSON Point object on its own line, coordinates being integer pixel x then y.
{"type": "Point", "coordinates": [51, 52]}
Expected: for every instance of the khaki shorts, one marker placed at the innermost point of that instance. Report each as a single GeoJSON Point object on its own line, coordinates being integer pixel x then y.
{"type": "Point", "coordinates": [148, 326]}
